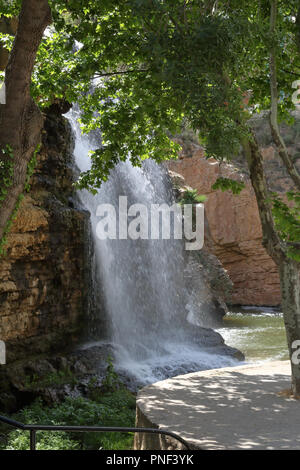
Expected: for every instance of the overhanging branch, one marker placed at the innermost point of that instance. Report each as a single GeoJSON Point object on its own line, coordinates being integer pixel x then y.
{"type": "Point", "coordinates": [121, 72]}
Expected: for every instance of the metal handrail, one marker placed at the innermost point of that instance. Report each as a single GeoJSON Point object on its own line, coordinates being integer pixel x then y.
{"type": "Point", "coordinates": [33, 428]}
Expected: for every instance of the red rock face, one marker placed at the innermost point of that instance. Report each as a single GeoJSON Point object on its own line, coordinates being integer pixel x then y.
{"type": "Point", "coordinates": [235, 229]}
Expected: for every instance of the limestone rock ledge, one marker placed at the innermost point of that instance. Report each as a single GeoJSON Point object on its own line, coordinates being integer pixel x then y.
{"type": "Point", "coordinates": [42, 281]}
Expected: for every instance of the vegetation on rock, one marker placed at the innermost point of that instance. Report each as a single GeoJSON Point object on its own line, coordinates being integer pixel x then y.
{"type": "Point", "coordinates": [110, 404]}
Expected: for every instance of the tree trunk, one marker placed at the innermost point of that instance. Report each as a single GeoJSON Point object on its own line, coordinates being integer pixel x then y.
{"type": "Point", "coordinates": [271, 240]}
{"type": "Point", "coordinates": [279, 141]}
{"type": "Point", "coordinates": [290, 300]}
{"type": "Point", "coordinates": [289, 269]}
{"type": "Point", "coordinates": [20, 119]}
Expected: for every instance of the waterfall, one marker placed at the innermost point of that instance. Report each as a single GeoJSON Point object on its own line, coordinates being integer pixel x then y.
{"type": "Point", "coordinates": [141, 282]}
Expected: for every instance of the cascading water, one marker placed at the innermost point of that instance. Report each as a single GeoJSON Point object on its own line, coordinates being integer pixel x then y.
{"type": "Point", "coordinates": [142, 281]}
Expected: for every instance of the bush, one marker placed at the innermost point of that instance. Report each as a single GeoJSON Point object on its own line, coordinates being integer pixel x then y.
{"type": "Point", "coordinates": [191, 196]}
{"type": "Point", "coordinates": [116, 408]}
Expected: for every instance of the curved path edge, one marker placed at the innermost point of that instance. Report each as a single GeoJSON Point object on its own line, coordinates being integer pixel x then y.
{"type": "Point", "coordinates": [239, 407]}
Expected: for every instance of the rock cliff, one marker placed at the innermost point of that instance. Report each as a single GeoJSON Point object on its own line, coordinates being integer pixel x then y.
{"type": "Point", "coordinates": [44, 284]}
{"type": "Point", "coordinates": [234, 224]}
{"type": "Point", "coordinates": [207, 282]}
{"type": "Point", "coordinates": [42, 275]}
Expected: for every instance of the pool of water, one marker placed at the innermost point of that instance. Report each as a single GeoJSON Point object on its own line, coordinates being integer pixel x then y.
{"type": "Point", "coordinates": [258, 332]}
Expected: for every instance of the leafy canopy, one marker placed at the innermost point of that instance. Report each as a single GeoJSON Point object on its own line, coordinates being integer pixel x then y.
{"type": "Point", "coordinates": [154, 63]}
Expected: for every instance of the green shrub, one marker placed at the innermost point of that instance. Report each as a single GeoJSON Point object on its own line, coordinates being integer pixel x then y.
{"type": "Point", "coordinates": [116, 408]}
{"type": "Point", "coordinates": [227, 184]}
{"type": "Point", "coordinates": [19, 440]}
{"type": "Point", "coordinates": [191, 196]}
{"type": "Point", "coordinates": [60, 377]}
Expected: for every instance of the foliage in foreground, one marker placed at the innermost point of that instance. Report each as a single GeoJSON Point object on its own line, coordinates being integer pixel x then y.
{"type": "Point", "coordinates": [116, 408]}
{"type": "Point", "coordinates": [287, 220]}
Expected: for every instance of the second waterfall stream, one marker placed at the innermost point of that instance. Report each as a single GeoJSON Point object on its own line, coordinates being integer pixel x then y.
{"type": "Point", "coordinates": [142, 282]}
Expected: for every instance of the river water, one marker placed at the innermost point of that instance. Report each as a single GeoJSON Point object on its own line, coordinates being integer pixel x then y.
{"type": "Point", "coordinates": [258, 332]}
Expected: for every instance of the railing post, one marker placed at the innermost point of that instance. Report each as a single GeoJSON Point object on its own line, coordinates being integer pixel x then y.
{"type": "Point", "coordinates": [32, 439]}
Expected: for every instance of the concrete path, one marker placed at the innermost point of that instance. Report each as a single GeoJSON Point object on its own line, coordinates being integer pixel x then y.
{"type": "Point", "coordinates": [230, 408]}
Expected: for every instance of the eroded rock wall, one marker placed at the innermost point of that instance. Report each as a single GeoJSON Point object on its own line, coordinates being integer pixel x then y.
{"type": "Point", "coordinates": [234, 224]}
{"type": "Point", "coordinates": [42, 281]}
{"type": "Point", "coordinates": [207, 282]}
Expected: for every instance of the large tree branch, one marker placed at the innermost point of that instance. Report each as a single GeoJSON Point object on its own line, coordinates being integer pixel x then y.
{"type": "Point", "coordinates": [35, 15]}
{"type": "Point", "coordinates": [120, 72]}
{"type": "Point", "coordinates": [271, 240]}
{"type": "Point", "coordinates": [20, 119]}
{"type": "Point", "coordinates": [279, 142]}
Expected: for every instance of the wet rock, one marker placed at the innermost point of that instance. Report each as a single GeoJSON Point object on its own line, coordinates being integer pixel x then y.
{"type": "Point", "coordinates": [213, 342]}
{"type": "Point", "coordinates": [53, 378]}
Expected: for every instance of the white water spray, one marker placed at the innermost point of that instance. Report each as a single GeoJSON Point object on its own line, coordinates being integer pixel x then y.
{"type": "Point", "coordinates": [142, 281]}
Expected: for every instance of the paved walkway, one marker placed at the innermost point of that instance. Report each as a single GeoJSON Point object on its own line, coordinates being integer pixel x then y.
{"type": "Point", "coordinates": [230, 408]}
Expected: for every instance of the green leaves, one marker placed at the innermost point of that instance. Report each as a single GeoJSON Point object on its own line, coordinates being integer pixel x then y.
{"type": "Point", "coordinates": [6, 41]}
{"type": "Point", "coordinates": [115, 408]}
{"type": "Point", "coordinates": [227, 184]}
{"type": "Point", "coordinates": [6, 171]}
{"type": "Point", "coordinates": [287, 219]}
{"type": "Point", "coordinates": [157, 66]}
{"type": "Point", "coordinates": [158, 63]}
{"type": "Point", "coordinates": [191, 196]}
{"type": "Point", "coordinates": [10, 8]}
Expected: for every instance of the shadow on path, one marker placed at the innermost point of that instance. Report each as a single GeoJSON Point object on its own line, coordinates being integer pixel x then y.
{"type": "Point", "coordinates": [235, 408]}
